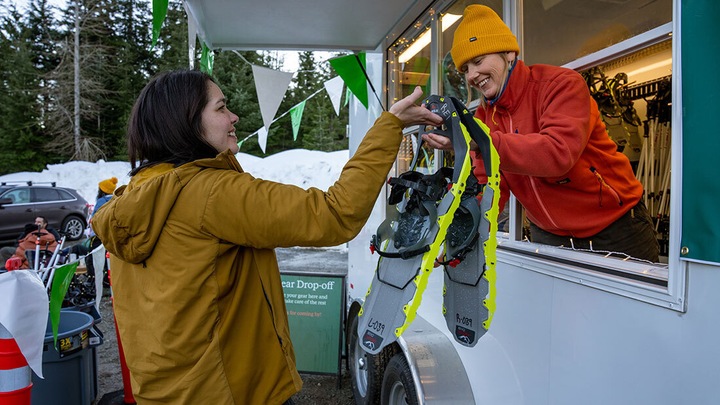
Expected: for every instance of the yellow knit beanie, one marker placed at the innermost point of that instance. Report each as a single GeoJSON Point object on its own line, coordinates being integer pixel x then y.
{"type": "Point", "coordinates": [108, 186]}
{"type": "Point", "coordinates": [481, 32]}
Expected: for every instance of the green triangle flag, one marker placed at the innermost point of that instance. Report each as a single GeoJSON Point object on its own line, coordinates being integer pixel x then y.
{"type": "Point", "coordinates": [352, 70]}
{"type": "Point", "coordinates": [295, 117]}
{"type": "Point", "coordinates": [60, 283]}
{"type": "Point", "coordinates": [207, 60]}
{"type": "Point", "coordinates": [159, 11]}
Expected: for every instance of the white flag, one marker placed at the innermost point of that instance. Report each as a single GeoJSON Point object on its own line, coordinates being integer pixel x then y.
{"type": "Point", "coordinates": [271, 86]}
{"type": "Point", "coordinates": [24, 308]}
{"type": "Point", "coordinates": [334, 89]}
{"type": "Point", "coordinates": [262, 138]}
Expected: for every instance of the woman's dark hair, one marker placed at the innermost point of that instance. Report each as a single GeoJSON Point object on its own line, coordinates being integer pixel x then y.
{"type": "Point", "coordinates": [101, 194]}
{"type": "Point", "coordinates": [165, 124]}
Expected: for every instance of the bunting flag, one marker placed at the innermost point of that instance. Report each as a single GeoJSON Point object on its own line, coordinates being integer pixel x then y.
{"type": "Point", "coordinates": [159, 11]}
{"type": "Point", "coordinates": [271, 86]}
{"type": "Point", "coordinates": [207, 60]}
{"type": "Point", "coordinates": [192, 39]}
{"type": "Point", "coordinates": [262, 134]}
{"type": "Point", "coordinates": [348, 93]}
{"type": "Point", "coordinates": [60, 283]}
{"type": "Point", "coordinates": [334, 89]}
{"type": "Point", "coordinates": [98, 261]}
{"type": "Point", "coordinates": [352, 70]}
{"type": "Point", "coordinates": [24, 313]}
{"type": "Point", "coordinates": [295, 117]}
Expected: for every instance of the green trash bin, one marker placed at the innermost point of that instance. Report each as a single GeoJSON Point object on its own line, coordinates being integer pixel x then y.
{"type": "Point", "coordinates": [70, 370]}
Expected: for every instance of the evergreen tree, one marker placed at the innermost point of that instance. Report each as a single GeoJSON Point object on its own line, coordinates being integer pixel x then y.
{"type": "Point", "coordinates": [20, 147]}
{"type": "Point", "coordinates": [171, 50]}
{"type": "Point", "coordinates": [132, 63]}
{"type": "Point", "coordinates": [326, 130]}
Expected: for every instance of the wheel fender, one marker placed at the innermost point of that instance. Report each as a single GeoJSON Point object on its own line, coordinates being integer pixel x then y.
{"type": "Point", "coordinates": [432, 358]}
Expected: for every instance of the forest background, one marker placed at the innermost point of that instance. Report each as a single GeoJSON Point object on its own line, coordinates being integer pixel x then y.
{"type": "Point", "coordinates": [70, 76]}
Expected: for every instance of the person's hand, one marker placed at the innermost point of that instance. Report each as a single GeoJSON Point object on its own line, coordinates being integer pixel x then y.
{"type": "Point", "coordinates": [412, 114]}
{"type": "Point", "coordinates": [444, 143]}
{"type": "Point", "coordinates": [438, 141]}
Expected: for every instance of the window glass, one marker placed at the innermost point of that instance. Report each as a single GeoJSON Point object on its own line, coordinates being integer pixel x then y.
{"type": "Point", "coordinates": [409, 60]}
{"type": "Point", "coordinates": [453, 82]}
{"type": "Point", "coordinates": [64, 195]}
{"type": "Point", "coordinates": [557, 32]}
{"type": "Point", "coordinates": [634, 97]}
{"type": "Point", "coordinates": [409, 66]}
{"type": "Point", "coordinates": [19, 195]}
{"type": "Point", "coordinates": [45, 194]}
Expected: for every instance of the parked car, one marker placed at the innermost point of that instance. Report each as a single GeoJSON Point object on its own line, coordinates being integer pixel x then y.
{"type": "Point", "coordinates": [20, 203]}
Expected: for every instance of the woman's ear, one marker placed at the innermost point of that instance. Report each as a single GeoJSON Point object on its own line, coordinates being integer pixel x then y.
{"type": "Point", "coordinates": [510, 56]}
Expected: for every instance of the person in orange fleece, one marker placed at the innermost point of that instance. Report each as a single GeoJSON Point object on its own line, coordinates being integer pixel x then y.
{"type": "Point", "coordinates": [555, 153]}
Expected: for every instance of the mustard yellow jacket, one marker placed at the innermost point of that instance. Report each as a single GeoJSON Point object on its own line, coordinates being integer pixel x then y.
{"type": "Point", "coordinates": [197, 292]}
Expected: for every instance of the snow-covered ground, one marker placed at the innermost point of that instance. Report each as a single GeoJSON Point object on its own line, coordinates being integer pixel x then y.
{"type": "Point", "coordinates": [303, 168]}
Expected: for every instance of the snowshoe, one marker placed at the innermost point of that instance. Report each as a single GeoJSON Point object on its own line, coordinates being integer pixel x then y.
{"type": "Point", "coordinates": [469, 290]}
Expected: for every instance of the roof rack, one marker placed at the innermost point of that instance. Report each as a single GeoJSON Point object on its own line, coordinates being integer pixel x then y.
{"type": "Point", "coordinates": [29, 183]}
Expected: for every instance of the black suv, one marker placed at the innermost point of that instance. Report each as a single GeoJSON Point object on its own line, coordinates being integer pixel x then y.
{"type": "Point", "coordinates": [20, 203]}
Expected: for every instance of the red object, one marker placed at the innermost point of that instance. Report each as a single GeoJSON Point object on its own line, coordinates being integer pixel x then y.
{"type": "Point", "coordinates": [12, 361]}
{"type": "Point", "coordinates": [13, 263]}
{"type": "Point", "coordinates": [454, 262]}
{"type": "Point", "coordinates": [372, 249]}
{"type": "Point", "coordinates": [128, 397]}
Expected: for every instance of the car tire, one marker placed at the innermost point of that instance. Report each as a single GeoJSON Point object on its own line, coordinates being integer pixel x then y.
{"type": "Point", "coordinates": [366, 370]}
{"type": "Point", "coordinates": [74, 227]}
{"type": "Point", "coordinates": [398, 386]}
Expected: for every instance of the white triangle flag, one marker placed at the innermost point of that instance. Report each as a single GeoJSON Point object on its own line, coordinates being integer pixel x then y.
{"type": "Point", "coordinates": [98, 259]}
{"type": "Point", "coordinates": [262, 138]}
{"type": "Point", "coordinates": [271, 86]}
{"type": "Point", "coordinates": [24, 312]}
{"type": "Point", "coordinates": [334, 89]}
{"type": "Point", "coordinates": [192, 38]}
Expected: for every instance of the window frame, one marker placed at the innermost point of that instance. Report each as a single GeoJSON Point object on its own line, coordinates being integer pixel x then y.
{"type": "Point", "coordinates": [633, 280]}
{"type": "Point", "coordinates": [663, 285]}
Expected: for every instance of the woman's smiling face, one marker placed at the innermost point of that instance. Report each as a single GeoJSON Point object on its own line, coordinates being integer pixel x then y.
{"type": "Point", "coordinates": [487, 73]}
{"type": "Point", "coordinates": [218, 123]}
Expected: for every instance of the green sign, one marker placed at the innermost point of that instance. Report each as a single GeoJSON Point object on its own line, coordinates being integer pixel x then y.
{"type": "Point", "coordinates": [315, 305]}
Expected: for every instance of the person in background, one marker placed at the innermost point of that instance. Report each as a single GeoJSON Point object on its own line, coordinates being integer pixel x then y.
{"type": "Point", "coordinates": [104, 194]}
{"type": "Point", "coordinates": [197, 291]}
{"type": "Point", "coordinates": [555, 153]}
{"type": "Point", "coordinates": [33, 233]}
{"type": "Point", "coordinates": [105, 191]}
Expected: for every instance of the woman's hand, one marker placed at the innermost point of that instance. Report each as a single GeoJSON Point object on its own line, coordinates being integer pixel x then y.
{"type": "Point", "coordinates": [438, 141]}
{"type": "Point", "coordinates": [412, 114]}
{"type": "Point", "coordinates": [442, 142]}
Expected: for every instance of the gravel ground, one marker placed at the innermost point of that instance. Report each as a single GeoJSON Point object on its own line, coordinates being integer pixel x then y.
{"type": "Point", "coordinates": [317, 389]}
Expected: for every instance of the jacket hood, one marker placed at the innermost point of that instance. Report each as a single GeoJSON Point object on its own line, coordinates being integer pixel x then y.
{"type": "Point", "coordinates": [130, 224]}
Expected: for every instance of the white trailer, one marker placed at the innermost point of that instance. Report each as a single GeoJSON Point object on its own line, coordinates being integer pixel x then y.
{"type": "Point", "coordinates": [571, 327]}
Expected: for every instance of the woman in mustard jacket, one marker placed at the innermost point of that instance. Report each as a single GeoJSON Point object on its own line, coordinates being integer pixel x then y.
{"type": "Point", "coordinates": [197, 292]}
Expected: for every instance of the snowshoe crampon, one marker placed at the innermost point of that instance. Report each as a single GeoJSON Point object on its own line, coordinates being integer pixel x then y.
{"type": "Point", "coordinates": [437, 213]}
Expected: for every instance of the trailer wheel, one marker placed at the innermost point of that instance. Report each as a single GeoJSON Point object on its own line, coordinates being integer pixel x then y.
{"type": "Point", "coordinates": [366, 370]}
{"type": "Point", "coordinates": [398, 387]}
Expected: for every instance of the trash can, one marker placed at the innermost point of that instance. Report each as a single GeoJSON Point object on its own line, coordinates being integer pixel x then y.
{"type": "Point", "coordinates": [70, 370]}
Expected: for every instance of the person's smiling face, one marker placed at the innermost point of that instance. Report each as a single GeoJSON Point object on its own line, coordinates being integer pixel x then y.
{"type": "Point", "coordinates": [487, 73]}
{"type": "Point", "coordinates": [218, 123]}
